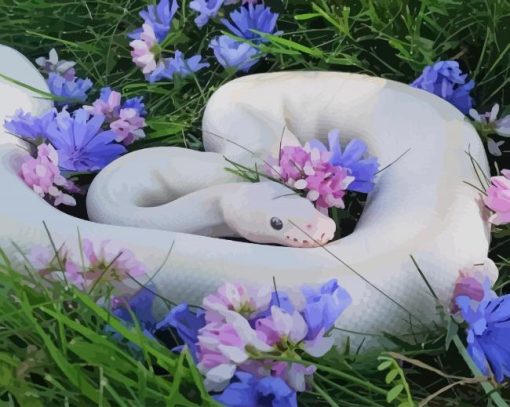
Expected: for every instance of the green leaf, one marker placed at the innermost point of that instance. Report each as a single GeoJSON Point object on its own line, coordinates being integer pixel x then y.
{"type": "Point", "coordinates": [452, 330]}
{"type": "Point", "coordinates": [384, 365]}
{"type": "Point", "coordinates": [292, 45]}
{"type": "Point", "coordinates": [394, 393]}
{"type": "Point", "coordinates": [174, 391]}
{"type": "Point", "coordinates": [391, 376]}
{"type": "Point", "coordinates": [306, 16]}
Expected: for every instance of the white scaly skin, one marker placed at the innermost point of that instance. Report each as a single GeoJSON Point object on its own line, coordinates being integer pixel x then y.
{"type": "Point", "coordinates": [420, 206]}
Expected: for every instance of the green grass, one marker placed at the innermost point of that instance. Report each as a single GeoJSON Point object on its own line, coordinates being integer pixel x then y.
{"type": "Point", "coordinates": [54, 349]}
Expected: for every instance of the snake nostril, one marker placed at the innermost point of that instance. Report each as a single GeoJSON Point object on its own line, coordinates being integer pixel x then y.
{"type": "Point", "coordinates": [295, 240]}
{"type": "Point", "coordinates": [288, 237]}
{"type": "Point", "coordinates": [309, 226]}
{"type": "Point", "coordinates": [305, 241]}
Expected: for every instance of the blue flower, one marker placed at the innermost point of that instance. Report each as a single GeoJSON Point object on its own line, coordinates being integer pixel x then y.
{"type": "Point", "coordinates": [362, 169]}
{"type": "Point", "coordinates": [247, 391]}
{"type": "Point", "coordinates": [234, 54]}
{"type": "Point", "coordinates": [137, 104]}
{"type": "Point", "coordinates": [74, 90]}
{"type": "Point", "coordinates": [207, 9]}
{"type": "Point", "coordinates": [81, 143]}
{"type": "Point", "coordinates": [159, 17]}
{"type": "Point", "coordinates": [252, 17]}
{"type": "Point", "coordinates": [488, 332]}
{"type": "Point", "coordinates": [140, 306]}
{"type": "Point", "coordinates": [323, 307]}
{"type": "Point", "coordinates": [178, 65]}
{"type": "Point", "coordinates": [30, 127]}
{"type": "Point", "coordinates": [187, 324]}
{"type": "Point", "coordinates": [446, 80]}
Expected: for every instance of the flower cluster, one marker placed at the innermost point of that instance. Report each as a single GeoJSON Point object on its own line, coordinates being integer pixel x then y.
{"type": "Point", "coordinates": [245, 23]}
{"type": "Point", "coordinates": [81, 143]}
{"type": "Point", "coordinates": [126, 119]}
{"type": "Point", "coordinates": [62, 79]}
{"type": "Point", "coordinates": [488, 326]}
{"type": "Point", "coordinates": [488, 123]}
{"type": "Point", "coordinates": [446, 80]}
{"type": "Point", "coordinates": [325, 175]}
{"type": "Point", "coordinates": [42, 174]}
{"type": "Point", "coordinates": [146, 45]}
{"type": "Point", "coordinates": [241, 335]}
{"type": "Point", "coordinates": [243, 331]}
{"type": "Point", "coordinates": [498, 198]}
{"type": "Point", "coordinates": [78, 138]}
{"type": "Point", "coordinates": [106, 265]}
{"type": "Point", "coordinates": [84, 140]}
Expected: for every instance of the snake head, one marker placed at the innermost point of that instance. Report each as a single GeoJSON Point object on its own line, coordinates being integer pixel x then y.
{"type": "Point", "coordinates": [269, 212]}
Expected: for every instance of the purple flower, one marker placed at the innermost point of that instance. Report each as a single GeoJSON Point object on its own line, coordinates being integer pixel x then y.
{"type": "Point", "coordinates": [178, 65]}
{"type": "Point", "coordinates": [323, 307]}
{"type": "Point", "coordinates": [74, 90]}
{"type": "Point", "coordinates": [248, 391]}
{"type": "Point", "coordinates": [362, 169]}
{"type": "Point", "coordinates": [488, 332]}
{"type": "Point", "coordinates": [30, 127]}
{"type": "Point", "coordinates": [52, 64]}
{"type": "Point", "coordinates": [234, 54]}
{"type": "Point", "coordinates": [159, 17]}
{"type": "Point", "coordinates": [446, 80]}
{"type": "Point", "coordinates": [207, 9]}
{"type": "Point", "coordinates": [252, 17]}
{"type": "Point", "coordinates": [187, 324]}
{"type": "Point", "coordinates": [80, 142]}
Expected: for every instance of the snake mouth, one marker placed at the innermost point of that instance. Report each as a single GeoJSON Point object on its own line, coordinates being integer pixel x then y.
{"type": "Point", "coordinates": [308, 242]}
{"type": "Point", "coordinates": [312, 234]}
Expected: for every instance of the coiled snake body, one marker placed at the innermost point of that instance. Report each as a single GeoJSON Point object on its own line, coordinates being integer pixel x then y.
{"type": "Point", "coordinates": [421, 206]}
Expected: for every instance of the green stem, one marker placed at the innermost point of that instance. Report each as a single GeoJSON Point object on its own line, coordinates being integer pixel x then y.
{"type": "Point", "coordinates": [325, 395]}
{"type": "Point", "coordinates": [366, 401]}
{"type": "Point", "coordinates": [487, 386]}
{"type": "Point", "coordinates": [347, 377]}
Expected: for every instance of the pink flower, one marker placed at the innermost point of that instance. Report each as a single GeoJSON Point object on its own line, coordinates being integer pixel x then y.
{"type": "Point", "coordinates": [309, 169]}
{"type": "Point", "coordinates": [235, 297]}
{"type": "Point", "coordinates": [281, 326]}
{"type": "Point", "coordinates": [498, 198]}
{"type": "Point", "coordinates": [474, 282]}
{"type": "Point", "coordinates": [142, 53]}
{"type": "Point", "coordinates": [128, 127]}
{"type": "Point", "coordinates": [106, 265]}
{"type": "Point", "coordinates": [50, 264]}
{"type": "Point", "coordinates": [223, 346]}
{"type": "Point", "coordinates": [42, 174]}
{"type": "Point", "coordinates": [109, 108]}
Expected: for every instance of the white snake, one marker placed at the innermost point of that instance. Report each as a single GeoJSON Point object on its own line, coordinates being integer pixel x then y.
{"type": "Point", "coordinates": [421, 206]}
{"type": "Point", "coordinates": [187, 191]}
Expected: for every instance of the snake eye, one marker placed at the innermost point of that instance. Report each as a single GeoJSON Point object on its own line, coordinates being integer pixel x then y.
{"type": "Point", "coordinates": [276, 223]}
